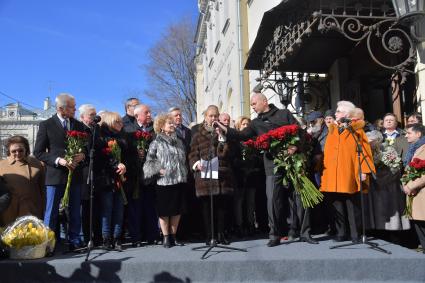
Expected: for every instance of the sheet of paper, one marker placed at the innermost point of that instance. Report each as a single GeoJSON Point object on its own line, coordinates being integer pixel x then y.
{"type": "Point", "coordinates": [205, 173]}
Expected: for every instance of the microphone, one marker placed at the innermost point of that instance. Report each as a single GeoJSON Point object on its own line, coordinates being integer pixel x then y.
{"type": "Point", "coordinates": [345, 120]}
{"type": "Point", "coordinates": [96, 119]}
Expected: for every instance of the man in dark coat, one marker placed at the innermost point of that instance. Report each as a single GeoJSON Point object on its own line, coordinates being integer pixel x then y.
{"type": "Point", "coordinates": [50, 148]}
{"type": "Point", "coordinates": [130, 104]}
{"type": "Point", "coordinates": [269, 117]}
{"type": "Point", "coordinates": [142, 216]}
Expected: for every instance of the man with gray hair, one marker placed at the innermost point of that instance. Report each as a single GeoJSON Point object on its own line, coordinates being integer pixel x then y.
{"type": "Point", "coordinates": [182, 131]}
{"type": "Point", "coordinates": [50, 148]}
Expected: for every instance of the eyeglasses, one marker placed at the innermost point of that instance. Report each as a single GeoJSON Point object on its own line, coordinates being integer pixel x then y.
{"type": "Point", "coordinates": [17, 151]}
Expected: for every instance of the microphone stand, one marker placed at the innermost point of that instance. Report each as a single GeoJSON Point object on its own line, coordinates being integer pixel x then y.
{"type": "Point", "coordinates": [90, 181]}
{"type": "Point", "coordinates": [213, 243]}
{"type": "Point", "coordinates": [364, 239]}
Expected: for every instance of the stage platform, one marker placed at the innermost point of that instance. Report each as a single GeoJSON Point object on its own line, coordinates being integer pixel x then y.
{"type": "Point", "coordinates": [297, 262]}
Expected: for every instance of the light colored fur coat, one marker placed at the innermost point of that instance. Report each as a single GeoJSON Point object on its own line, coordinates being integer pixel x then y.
{"type": "Point", "coordinates": [168, 153]}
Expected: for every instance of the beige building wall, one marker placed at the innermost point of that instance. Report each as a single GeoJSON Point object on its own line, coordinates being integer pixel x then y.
{"type": "Point", "coordinates": [222, 48]}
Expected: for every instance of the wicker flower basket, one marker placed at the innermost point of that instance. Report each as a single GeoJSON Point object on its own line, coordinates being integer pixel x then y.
{"type": "Point", "coordinates": [29, 252]}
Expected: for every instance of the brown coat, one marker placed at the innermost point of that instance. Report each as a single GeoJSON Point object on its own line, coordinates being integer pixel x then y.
{"type": "Point", "coordinates": [199, 149]}
{"type": "Point", "coordinates": [26, 182]}
{"type": "Point", "coordinates": [418, 206]}
{"type": "Point", "coordinates": [340, 173]}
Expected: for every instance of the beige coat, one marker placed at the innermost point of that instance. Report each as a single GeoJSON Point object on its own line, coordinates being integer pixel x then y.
{"type": "Point", "coordinates": [26, 183]}
{"type": "Point", "coordinates": [418, 206]}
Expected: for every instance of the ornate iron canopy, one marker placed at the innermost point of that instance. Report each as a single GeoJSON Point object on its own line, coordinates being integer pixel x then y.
{"type": "Point", "coordinates": [309, 35]}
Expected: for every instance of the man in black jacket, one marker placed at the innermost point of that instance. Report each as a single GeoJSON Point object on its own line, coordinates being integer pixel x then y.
{"type": "Point", "coordinates": [269, 117]}
{"type": "Point", "coordinates": [130, 104]}
{"type": "Point", "coordinates": [50, 148]}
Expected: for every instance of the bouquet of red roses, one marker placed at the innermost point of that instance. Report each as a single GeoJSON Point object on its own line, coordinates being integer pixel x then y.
{"type": "Point", "coordinates": [75, 142]}
{"type": "Point", "coordinates": [142, 139]}
{"type": "Point", "coordinates": [414, 170]}
{"type": "Point", "coordinates": [114, 150]}
{"type": "Point", "coordinates": [278, 142]}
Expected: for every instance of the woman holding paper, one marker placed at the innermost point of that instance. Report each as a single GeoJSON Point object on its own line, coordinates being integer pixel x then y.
{"type": "Point", "coordinates": [207, 145]}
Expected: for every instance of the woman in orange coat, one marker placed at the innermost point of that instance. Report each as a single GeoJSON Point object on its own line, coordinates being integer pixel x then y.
{"type": "Point", "coordinates": [340, 179]}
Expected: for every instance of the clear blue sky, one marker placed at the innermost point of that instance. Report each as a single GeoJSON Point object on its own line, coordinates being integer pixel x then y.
{"type": "Point", "coordinates": [93, 49]}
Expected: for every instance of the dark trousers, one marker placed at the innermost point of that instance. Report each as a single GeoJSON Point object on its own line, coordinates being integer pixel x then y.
{"type": "Point", "coordinates": [346, 213]}
{"type": "Point", "coordinates": [277, 199]}
{"type": "Point", "coordinates": [149, 215]}
{"type": "Point", "coordinates": [96, 220]}
{"type": "Point", "coordinates": [134, 216]}
{"type": "Point", "coordinates": [299, 217]}
{"type": "Point", "coordinates": [420, 231]}
{"type": "Point", "coordinates": [220, 202]}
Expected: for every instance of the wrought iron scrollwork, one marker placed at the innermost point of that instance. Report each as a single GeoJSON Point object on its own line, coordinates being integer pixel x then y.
{"type": "Point", "coordinates": [393, 39]}
{"type": "Point", "coordinates": [299, 92]}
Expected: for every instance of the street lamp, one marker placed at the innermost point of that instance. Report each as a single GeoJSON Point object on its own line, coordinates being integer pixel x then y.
{"type": "Point", "coordinates": [409, 11]}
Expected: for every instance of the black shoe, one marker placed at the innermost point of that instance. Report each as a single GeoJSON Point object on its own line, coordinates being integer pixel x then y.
{"type": "Point", "coordinates": [74, 248]}
{"type": "Point", "coordinates": [221, 239]}
{"type": "Point", "coordinates": [166, 242]}
{"type": "Point", "coordinates": [136, 244]}
{"type": "Point", "coordinates": [308, 239]}
{"type": "Point", "coordinates": [106, 244]}
{"type": "Point", "coordinates": [273, 243]}
{"type": "Point", "coordinates": [117, 245]}
{"type": "Point", "coordinates": [339, 239]}
{"type": "Point", "coordinates": [356, 240]}
{"type": "Point", "coordinates": [174, 241]}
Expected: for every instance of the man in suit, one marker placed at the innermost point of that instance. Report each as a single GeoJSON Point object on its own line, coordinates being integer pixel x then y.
{"type": "Point", "coordinates": [50, 148]}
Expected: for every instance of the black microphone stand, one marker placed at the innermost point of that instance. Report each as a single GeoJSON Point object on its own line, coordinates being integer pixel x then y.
{"type": "Point", "coordinates": [364, 239]}
{"type": "Point", "coordinates": [213, 243]}
{"type": "Point", "coordinates": [90, 181]}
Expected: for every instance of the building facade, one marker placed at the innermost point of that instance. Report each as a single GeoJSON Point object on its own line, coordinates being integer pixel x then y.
{"type": "Point", "coordinates": [307, 55]}
{"type": "Point", "coordinates": [222, 47]}
{"type": "Point", "coordinates": [17, 120]}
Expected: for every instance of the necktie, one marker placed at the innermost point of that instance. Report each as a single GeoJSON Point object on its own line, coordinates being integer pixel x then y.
{"type": "Point", "coordinates": [65, 125]}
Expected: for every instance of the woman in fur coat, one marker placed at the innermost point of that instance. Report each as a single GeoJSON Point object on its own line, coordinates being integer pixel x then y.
{"type": "Point", "coordinates": [204, 142]}
{"type": "Point", "coordinates": [166, 160]}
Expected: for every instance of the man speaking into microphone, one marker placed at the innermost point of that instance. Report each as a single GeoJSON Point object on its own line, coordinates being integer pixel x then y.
{"type": "Point", "coordinates": [340, 178]}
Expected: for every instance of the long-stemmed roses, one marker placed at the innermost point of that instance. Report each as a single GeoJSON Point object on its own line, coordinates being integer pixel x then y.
{"type": "Point", "coordinates": [114, 150]}
{"type": "Point", "coordinates": [277, 142]}
{"type": "Point", "coordinates": [142, 139]}
{"type": "Point", "coordinates": [75, 142]}
{"type": "Point", "coordinates": [415, 170]}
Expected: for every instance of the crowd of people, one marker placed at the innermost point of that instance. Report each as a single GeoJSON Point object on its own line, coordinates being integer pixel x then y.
{"type": "Point", "coordinates": [153, 179]}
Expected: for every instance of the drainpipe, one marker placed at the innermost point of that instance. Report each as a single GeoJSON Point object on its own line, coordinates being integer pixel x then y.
{"type": "Point", "coordinates": [240, 50]}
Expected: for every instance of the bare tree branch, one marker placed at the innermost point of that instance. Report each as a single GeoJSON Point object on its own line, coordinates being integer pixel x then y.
{"type": "Point", "coordinates": [171, 70]}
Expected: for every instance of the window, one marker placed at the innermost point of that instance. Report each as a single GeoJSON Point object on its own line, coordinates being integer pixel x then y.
{"type": "Point", "coordinates": [211, 63]}
{"type": "Point", "coordinates": [226, 26]}
{"type": "Point", "coordinates": [217, 47]}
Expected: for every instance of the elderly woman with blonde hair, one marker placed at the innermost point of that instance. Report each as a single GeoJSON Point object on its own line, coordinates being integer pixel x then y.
{"type": "Point", "coordinates": [166, 159]}
{"type": "Point", "coordinates": [108, 171]}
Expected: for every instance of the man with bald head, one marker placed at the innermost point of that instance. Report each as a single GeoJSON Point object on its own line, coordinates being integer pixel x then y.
{"type": "Point", "coordinates": [269, 117]}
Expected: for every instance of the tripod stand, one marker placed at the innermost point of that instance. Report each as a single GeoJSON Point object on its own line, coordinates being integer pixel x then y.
{"type": "Point", "coordinates": [364, 239]}
{"type": "Point", "coordinates": [213, 243]}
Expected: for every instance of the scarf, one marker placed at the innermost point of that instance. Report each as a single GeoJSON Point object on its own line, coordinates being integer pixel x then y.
{"type": "Point", "coordinates": [411, 151]}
